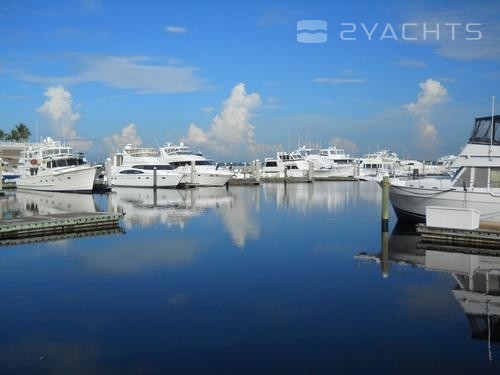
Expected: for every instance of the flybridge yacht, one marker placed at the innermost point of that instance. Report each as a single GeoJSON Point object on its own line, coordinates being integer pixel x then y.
{"type": "Point", "coordinates": [328, 162]}
{"type": "Point", "coordinates": [276, 167]}
{"type": "Point", "coordinates": [141, 167]}
{"type": "Point", "coordinates": [195, 168]}
{"type": "Point", "coordinates": [337, 155]}
{"type": "Point", "coordinates": [475, 185]}
{"type": "Point", "coordinates": [52, 166]}
{"type": "Point", "coordinates": [383, 162]}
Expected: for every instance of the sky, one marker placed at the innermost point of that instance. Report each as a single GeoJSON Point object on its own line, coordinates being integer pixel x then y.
{"type": "Point", "coordinates": [232, 80]}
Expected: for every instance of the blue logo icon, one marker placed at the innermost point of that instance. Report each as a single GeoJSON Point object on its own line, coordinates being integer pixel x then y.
{"type": "Point", "coordinates": [311, 31]}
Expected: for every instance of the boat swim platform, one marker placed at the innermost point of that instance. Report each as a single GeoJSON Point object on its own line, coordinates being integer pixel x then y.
{"type": "Point", "coordinates": [57, 224]}
{"type": "Point", "coordinates": [485, 239]}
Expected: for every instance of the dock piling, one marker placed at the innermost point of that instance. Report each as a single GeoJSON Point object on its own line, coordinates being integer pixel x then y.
{"type": "Point", "coordinates": [385, 204]}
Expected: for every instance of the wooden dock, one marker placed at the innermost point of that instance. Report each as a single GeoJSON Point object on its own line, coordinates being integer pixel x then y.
{"type": "Point", "coordinates": [243, 181]}
{"type": "Point", "coordinates": [354, 179]}
{"type": "Point", "coordinates": [49, 225]}
{"type": "Point", "coordinates": [288, 180]}
{"type": "Point", "coordinates": [483, 238]}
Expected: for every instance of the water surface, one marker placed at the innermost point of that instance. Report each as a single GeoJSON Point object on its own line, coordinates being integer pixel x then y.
{"type": "Point", "coordinates": [245, 280]}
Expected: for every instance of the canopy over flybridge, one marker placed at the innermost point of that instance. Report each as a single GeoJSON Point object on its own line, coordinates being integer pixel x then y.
{"type": "Point", "coordinates": [481, 134]}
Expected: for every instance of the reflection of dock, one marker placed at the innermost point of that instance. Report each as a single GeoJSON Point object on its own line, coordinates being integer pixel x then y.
{"type": "Point", "coordinates": [476, 271]}
{"type": "Point", "coordinates": [59, 237]}
{"type": "Point", "coordinates": [57, 224]}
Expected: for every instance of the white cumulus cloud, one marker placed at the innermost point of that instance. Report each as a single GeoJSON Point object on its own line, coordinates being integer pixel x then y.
{"type": "Point", "coordinates": [231, 130]}
{"type": "Point", "coordinates": [58, 107]}
{"type": "Point", "coordinates": [432, 93]}
{"type": "Point", "coordinates": [128, 134]}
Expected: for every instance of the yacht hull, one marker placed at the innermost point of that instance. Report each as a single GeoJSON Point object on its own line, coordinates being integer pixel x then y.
{"type": "Point", "coordinates": [74, 180]}
{"type": "Point", "coordinates": [146, 179]}
{"type": "Point", "coordinates": [409, 203]}
{"type": "Point", "coordinates": [206, 178]}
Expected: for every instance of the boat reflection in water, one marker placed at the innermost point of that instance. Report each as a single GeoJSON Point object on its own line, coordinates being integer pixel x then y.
{"type": "Point", "coordinates": [334, 196]}
{"type": "Point", "coordinates": [145, 207]}
{"type": "Point", "coordinates": [28, 203]}
{"type": "Point", "coordinates": [476, 272]}
{"type": "Point", "coordinates": [25, 203]}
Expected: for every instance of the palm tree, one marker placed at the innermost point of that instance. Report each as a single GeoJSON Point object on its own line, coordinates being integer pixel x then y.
{"type": "Point", "coordinates": [2, 135]}
{"type": "Point", "coordinates": [22, 131]}
{"type": "Point", "coordinates": [13, 136]}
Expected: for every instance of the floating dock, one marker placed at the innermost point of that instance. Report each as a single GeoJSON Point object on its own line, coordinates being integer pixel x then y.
{"type": "Point", "coordinates": [354, 179]}
{"type": "Point", "coordinates": [243, 181]}
{"type": "Point", "coordinates": [484, 238]}
{"type": "Point", "coordinates": [57, 224]}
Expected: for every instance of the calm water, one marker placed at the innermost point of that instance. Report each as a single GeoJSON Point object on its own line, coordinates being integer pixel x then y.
{"type": "Point", "coordinates": [250, 280]}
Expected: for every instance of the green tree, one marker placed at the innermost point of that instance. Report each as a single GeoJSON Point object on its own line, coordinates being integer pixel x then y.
{"type": "Point", "coordinates": [2, 135]}
{"type": "Point", "coordinates": [22, 131]}
{"type": "Point", "coordinates": [13, 136]}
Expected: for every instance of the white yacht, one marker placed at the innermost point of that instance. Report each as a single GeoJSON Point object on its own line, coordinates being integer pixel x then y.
{"type": "Point", "coordinates": [337, 155]}
{"type": "Point", "coordinates": [408, 167]}
{"type": "Point", "coordinates": [328, 162]}
{"type": "Point", "coordinates": [141, 167]}
{"type": "Point", "coordinates": [443, 166]}
{"type": "Point", "coordinates": [475, 185]}
{"type": "Point", "coordinates": [195, 168]}
{"type": "Point", "coordinates": [380, 163]}
{"type": "Point", "coordinates": [276, 167]}
{"type": "Point", "coordinates": [52, 166]}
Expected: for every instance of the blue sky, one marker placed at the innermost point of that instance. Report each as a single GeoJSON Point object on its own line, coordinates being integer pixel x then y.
{"type": "Point", "coordinates": [168, 68]}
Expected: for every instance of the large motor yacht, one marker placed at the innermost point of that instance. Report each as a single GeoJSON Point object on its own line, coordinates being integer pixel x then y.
{"type": "Point", "coordinates": [328, 162]}
{"type": "Point", "coordinates": [52, 166]}
{"type": "Point", "coordinates": [380, 163]}
{"type": "Point", "coordinates": [475, 185]}
{"type": "Point", "coordinates": [195, 168]}
{"type": "Point", "coordinates": [141, 167]}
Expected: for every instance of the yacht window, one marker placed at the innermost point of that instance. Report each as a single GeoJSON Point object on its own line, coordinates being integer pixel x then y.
{"type": "Point", "coordinates": [131, 171]}
{"type": "Point", "coordinates": [72, 162]}
{"type": "Point", "coordinates": [482, 131]}
{"type": "Point", "coordinates": [80, 161]}
{"type": "Point", "coordinates": [495, 177]}
{"type": "Point", "coordinates": [61, 163]}
{"type": "Point", "coordinates": [179, 163]}
{"type": "Point", "coordinates": [480, 177]}
{"type": "Point", "coordinates": [463, 177]}
{"type": "Point", "coordinates": [205, 162]}
{"type": "Point", "coordinates": [271, 164]}
{"type": "Point", "coordinates": [150, 167]}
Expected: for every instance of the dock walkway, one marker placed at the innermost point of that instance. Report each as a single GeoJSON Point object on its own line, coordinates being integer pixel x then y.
{"type": "Point", "coordinates": [47, 225]}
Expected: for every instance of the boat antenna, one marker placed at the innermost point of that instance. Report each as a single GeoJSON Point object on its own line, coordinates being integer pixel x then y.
{"type": "Point", "coordinates": [492, 124]}
{"type": "Point", "coordinates": [63, 134]}
{"type": "Point", "coordinates": [36, 129]}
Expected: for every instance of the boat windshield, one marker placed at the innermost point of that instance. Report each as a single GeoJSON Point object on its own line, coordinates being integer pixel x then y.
{"type": "Point", "coordinates": [481, 134]}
